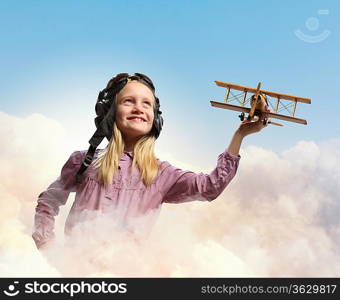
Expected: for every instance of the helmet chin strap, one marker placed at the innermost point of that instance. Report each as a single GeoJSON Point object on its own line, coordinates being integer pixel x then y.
{"type": "Point", "coordinates": [103, 130]}
{"type": "Point", "coordinates": [87, 161]}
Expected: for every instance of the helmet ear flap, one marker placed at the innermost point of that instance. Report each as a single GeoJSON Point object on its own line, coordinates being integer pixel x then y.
{"type": "Point", "coordinates": [102, 106]}
{"type": "Point", "coordinates": [158, 120]}
{"type": "Point", "coordinates": [99, 107]}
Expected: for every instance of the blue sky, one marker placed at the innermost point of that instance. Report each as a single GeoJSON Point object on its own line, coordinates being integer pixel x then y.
{"type": "Point", "coordinates": [57, 55]}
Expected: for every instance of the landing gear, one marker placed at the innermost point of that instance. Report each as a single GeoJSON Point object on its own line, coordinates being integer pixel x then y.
{"type": "Point", "coordinates": [241, 116]}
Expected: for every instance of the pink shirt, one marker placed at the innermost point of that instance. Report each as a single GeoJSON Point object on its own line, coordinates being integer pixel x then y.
{"type": "Point", "coordinates": [127, 195]}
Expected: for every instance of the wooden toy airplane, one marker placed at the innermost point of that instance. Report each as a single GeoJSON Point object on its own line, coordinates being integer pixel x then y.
{"type": "Point", "coordinates": [259, 103]}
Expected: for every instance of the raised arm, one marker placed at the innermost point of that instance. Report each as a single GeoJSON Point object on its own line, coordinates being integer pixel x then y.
{"type": "Point", "coordinates": [183, 186]}
{"type": "Point", "coordinates": [246, 128]}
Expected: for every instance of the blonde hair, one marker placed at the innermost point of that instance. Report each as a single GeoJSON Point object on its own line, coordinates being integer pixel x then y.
{"type": "Point", "coordinates": [144, 158]}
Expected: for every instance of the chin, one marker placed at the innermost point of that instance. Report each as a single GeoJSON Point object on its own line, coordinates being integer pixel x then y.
{"type": "Point", "coordinates": [137, 133]}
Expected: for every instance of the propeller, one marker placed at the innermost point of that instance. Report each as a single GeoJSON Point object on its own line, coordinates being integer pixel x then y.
{"type": "Point", "coordinates": [253, 105]}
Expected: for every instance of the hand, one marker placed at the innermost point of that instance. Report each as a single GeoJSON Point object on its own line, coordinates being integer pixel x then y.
{"type": "Point", "coordinates": [249, 127]}
{"type": "Point", "coordinates": [47, 245]}
{"type": "Point", "coordinates": [44, 246]}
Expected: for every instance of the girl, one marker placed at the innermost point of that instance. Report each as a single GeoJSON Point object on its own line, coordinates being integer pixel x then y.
{"type": "Point", "coordinates": [126, 178]}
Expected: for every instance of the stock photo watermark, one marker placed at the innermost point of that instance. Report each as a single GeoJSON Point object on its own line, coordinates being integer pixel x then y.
{"type": "Point", "coordinates": [66, 288]}
{"type": "Point", "coordinates": [313, 25]}
{"type": "Point", "coordinates": [12, 291]}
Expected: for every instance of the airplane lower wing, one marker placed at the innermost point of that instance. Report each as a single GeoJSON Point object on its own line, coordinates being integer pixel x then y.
{"type": "Point", "coordinates": [247, 110]}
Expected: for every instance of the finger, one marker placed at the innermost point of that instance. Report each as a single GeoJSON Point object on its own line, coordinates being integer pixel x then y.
{"type": "Point", "coordinates": [267, 109]}
{"type": "Point", "coordinates": [264, 115]}
{"type": "Point", "coordinates": [265, 122]}
{"type": "Point", "coordinates": [261, 123]}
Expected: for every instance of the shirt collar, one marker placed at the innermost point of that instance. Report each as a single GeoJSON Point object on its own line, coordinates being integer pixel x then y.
{"type": "Point", "coordinates": [128, 153]}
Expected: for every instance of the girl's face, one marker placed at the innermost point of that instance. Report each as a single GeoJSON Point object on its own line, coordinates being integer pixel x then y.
{"type": "Point", "coordinates": [134, 116]}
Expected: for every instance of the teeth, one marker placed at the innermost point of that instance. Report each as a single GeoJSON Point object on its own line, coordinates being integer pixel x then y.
{"type": "Point", "coordinates": [139, 119]}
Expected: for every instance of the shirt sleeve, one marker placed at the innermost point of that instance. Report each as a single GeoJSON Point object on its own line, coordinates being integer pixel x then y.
{"type": "Point", "coordinates": [183, 186]}
{"type": "Point", "coordinates": [53, 197]}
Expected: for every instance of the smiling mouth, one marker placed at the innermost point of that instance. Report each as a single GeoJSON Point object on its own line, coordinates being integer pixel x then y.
{"type": "Point", "coordinates": [137, 119]}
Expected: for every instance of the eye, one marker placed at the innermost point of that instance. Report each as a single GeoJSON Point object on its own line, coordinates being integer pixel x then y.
{"type": "Point", "coordinates": [127, 100]}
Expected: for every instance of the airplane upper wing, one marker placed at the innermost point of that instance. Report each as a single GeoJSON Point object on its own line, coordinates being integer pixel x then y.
{"type": "Point", "coordinates": [247, 110]}
{"type": "Point", "coordinates": [270, 94]}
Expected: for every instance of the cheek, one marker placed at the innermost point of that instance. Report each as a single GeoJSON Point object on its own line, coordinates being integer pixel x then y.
{"type": "Point", "coordinates": [120, 114]}
{"type": "Point", "coordinates": [151, 116]}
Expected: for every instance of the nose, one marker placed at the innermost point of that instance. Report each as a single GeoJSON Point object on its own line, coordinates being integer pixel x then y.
{"type": "Point", "coordinates": [138, 108]}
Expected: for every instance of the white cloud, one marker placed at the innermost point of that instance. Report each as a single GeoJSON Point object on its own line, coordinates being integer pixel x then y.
{"type": "Point", "coordinates": [278, 217]}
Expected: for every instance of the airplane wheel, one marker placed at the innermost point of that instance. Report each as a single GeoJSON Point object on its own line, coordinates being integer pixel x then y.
{"type": "Point", "coordinates": [241, 116]}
